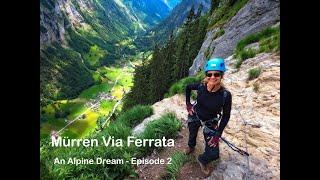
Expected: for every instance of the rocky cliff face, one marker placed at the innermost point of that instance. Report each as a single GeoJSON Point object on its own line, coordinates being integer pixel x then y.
{"type": "Point", "coordinates": [90, 16]}
{"type": "Point", "coordinates": [255, 121]}
{"type": "Point", "coordinates": [51, 22]}
{"type": "Point", "coordinates": [253, 17]}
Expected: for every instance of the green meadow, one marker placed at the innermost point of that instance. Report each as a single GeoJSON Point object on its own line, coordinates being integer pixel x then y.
{"type": "Point", "coordinates": [115, 81]}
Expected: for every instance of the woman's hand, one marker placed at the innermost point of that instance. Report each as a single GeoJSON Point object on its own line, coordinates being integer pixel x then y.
{"type": "Point", "coordinates": [190, 108]}
{"type": "Point", "coordinates": [214, 141]}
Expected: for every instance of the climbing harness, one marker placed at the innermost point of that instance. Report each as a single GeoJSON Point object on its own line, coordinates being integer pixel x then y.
{"type": "Point", "coordinates": [207, 130]}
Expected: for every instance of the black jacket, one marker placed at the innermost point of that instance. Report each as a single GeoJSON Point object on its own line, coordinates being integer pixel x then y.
{"type": "Point", "coordinates": [209, 104]}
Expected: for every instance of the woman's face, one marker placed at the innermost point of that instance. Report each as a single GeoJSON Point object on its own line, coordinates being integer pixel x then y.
{"type": "Point", "coordinates": [214, 77]}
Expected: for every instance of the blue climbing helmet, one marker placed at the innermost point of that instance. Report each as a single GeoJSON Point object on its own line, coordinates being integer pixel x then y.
{"type": "Point", "coordinates": [215, 64]}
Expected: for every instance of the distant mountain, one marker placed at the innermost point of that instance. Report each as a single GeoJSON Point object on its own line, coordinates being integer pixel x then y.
{"type": "Point", "coordinates": [177, 16]}
{"type": "Point", "coordinates": [172, 3]}
{"type": "Point", "coordinates": [149, 12]}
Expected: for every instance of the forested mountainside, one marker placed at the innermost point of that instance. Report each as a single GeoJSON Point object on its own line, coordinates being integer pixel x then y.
{"type": "Point", "coordinates": [78, 36]}
{"type": "Point", "coordinates": [149, 12]}
{"type": "Point", "coordinates": [160, 33]}
{"type": "Point", "coordinates": [224, 30]}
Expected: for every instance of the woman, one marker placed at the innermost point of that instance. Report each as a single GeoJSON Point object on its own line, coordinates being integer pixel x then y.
{"type": "Point", "coordinates": [212, 99]}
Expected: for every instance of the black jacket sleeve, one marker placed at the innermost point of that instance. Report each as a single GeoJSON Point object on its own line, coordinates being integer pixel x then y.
{"type": "Point", "coordinates": [225, 113]}
{"type": "Point", "coordinates": [190, 87]}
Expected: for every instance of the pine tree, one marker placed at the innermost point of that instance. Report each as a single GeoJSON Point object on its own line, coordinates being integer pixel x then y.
{"type": "Point", "coordinates": [231, 2]}
{"type": "Point", "coordinates": [170, 58]}
{"type": "Point", "coordinates": [190, 16]}
{"type": "Point", "coordinates": [140, 90]}
{"type": "Point", "coordinates": [155, 80]}
{"type": "Point", "coordinates": [182, 44]}
{"type": "Point", "coordinates": [200, 8]}
{"type": "Point", "coordinates": [214, 5]}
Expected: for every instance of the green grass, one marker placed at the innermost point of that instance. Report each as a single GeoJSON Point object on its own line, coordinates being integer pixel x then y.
{"type": "Point", "coordinates": [104, 74]}
{"type": "Point", "coordinates": [107, 105]}
{"type": "Point", "coordinates": [118, 129]}
{"type": "Point", "coordinates": [180, 86]}
{"type": "Point", "coordinates": [93, 91]}
{"type": "Point", "coordinates": [266, 33]}
{"type": "Point", "coordinates": [254, 73]}
{"type": "Point", "coordinates": [94, 56]}
{"type": "Point", "coordinates": [135, 115]}
{"type": "Point", "coordinates": [178, 160]}
{"type": "Point", "coordinates": [243, 55]}
{"type": "Point", "coordinates": [112, 73]}
{"type": "Point", "coordinates": [84, 126]}
{"type": "Point", "coordinates": [224, 13]}
{"type": "Point", "coordinates": [268, 39]}
{"type": "Point", "coordinates": [75, 107]}
{"type": "Point", "coordinates": [219, 33]}
{"type": "Point", "coordinates": [166, 126]}
{"type": "Point", "coordinates": [255, 87]}
{"type": "Point", "coordinates": [47, 127]}
{"type": "Point", "coordinates": [97, 77]}
{"type": "Point", "coordinates": [270, 44]}
{"type": "Point", "coordinates": [126, 80]}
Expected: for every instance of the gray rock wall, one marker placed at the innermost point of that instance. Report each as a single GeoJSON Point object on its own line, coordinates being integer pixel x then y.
{"type": "Point", "coordinates": [253, 17]}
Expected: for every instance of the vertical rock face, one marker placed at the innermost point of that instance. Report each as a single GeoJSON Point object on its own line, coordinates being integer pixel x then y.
{"type": "Point", "coordinates": [51, 22]}
{"type": "Point", "coordinates": [253, 17]}
{"type": "Point", "coordinates": [255, 121]}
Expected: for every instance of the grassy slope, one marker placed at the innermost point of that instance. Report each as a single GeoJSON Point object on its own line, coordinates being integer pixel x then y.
{"type": "Point", "coordinates": [268, 40]}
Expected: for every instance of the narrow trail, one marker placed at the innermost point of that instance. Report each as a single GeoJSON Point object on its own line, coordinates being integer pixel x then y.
{"type": "Point", "coordinates": [254, 126]}
{"type": "Point", "coordinates": [176, 105]}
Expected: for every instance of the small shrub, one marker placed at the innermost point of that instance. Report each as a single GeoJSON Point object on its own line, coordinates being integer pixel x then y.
{"type": "Point", "coordinates": [135, 115]}
{"type": "Point", "coordinates": [255, 87]}
{"type": "Point", "coordinates": [179, 87]}
{"type": "Point", "coordinates": [166, 126]}
{"type": "Point", "coordinates": [254, 73]}
{"type": "Point", "coordinates": [246, 54]}
{"type": "Point", "coordinates": [206, 53]}
{"type": "Point", "coordinates": [269, 40]}
{"type": "Point", "coordinates": [178, 160]}
{"type": "Point", "coordinates": [219, 33]}
{"type": "Point", "coordinates": [118, 130]}
{"type": "Point", "coordinates": [225, 12]}
{"type": "Point", "coordinates": [100, 122]}
{"type": "Point", "coordinates": [270, 44]}
{"type": "Point", "coordinates": [60, 114]}
{"type": "Point", "coordinates": [238, 63]}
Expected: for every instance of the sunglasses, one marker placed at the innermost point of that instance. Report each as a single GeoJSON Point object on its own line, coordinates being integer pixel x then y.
{"type": "Point", "coordinates": [214, 74]}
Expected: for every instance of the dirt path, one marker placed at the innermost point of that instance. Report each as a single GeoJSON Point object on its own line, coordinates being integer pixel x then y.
{"type": "Point", "coordinates": [191, 170]}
